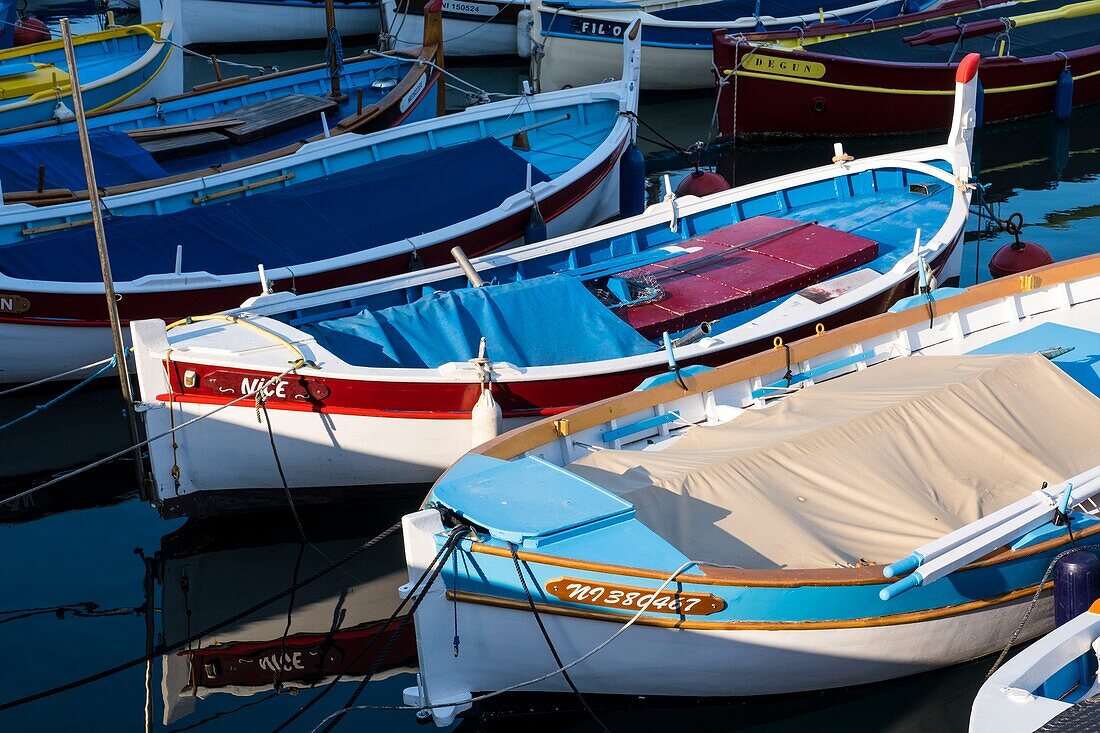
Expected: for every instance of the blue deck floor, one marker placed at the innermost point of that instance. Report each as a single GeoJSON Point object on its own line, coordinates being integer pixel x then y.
{"type": "Point", "coordinates": [1082, 363]}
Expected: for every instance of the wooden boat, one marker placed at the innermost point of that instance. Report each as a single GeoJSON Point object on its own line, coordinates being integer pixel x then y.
{"type": "Point", "coordinates": [1051, 685]}
{"type": "Point", "coordinates": [115, 64]}
{"type": "Point", "coordinates": [224, 125]}
{"type": "Point", "coordinates": [735, 523]}
{"type": "Point", "coordinates": [403, 390]}
{"type": "Point", "coordinates": [483, 28]}
{"type": "Point", "coordinates": [213, 23]}
{"type": "Point", "coordinates": [577, 39]}
{"type": "Point", "coordinates": [899, 80]}
{"type": "Point", "coordinates": [340, 210]}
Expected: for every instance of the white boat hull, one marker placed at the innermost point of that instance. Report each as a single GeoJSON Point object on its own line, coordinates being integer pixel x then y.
{"type": "Point", "coordinates": [474, 37]}
{"type": "Point", "coordinates": [315, 449]}
{"type": "Point", "coordinates": [222, 21]}
{"type": "Point", "coordinates": [568, 62]}
{"type": "Point", "coordinates": [653, 660]}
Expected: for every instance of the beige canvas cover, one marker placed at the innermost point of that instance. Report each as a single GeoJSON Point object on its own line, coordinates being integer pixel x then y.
{"type": "Point", "coordinates": [864, 467]}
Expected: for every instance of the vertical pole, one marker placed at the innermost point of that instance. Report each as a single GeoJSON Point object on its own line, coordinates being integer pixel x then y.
{"type": "Point", "coordinates": [101, 243]}
{"type": "Point", "coordinates": [333, 62]}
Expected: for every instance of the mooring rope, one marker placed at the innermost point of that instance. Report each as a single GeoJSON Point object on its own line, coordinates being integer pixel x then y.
{"type": "Point", "coordinates": [55, 377]}
{"type": "Point", "coordinates": [147, 441]}
{"type": "Point", "coordinates": [70, 391]}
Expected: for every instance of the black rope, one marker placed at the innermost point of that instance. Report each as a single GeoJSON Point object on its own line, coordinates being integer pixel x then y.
{"type": "Point", "coordinates": [447, 549]}
{"type": "Point", "coordinates": [224, 713]}
{"type": "Point", "coordinates": [788, 375]}
{"type": "Point", "coordinates": [261, 406]}
{"type": "Point", "coordinates": [370, 644]}
{"type": "Point", "coordinates": [162, 649]}
{"type": "Point", "coordinates": [665, 141]}
{"type": "Point", "coordinates": [83, 609]}
{"type": "Point", "coordinates": [277, 682]}
{"type": "Point", "coordinates": [1031, 606]}
{"type": "Point", "coordinates": [550, 644]}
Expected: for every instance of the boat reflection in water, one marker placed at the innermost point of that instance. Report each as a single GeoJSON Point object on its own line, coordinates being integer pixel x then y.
{"type": "Point", "coordinates": [209, 571]}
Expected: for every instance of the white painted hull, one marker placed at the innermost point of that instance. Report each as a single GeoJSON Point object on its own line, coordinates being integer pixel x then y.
{"type": "Point", "coordinates": [474, 37]}
{"type": "Point", "coordinates": [568, 62]}
{"type": "Point", "coordinates": [219, 21]}
{"type": "Point", "coordinates": [651, 660]}
{"type": "Point", "coordinates": [231, 450]}
{"type": "Point", "coordinates": [31, 352]}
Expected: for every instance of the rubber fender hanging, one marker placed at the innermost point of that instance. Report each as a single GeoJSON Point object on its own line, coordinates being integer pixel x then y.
{"type": "Point", "coordinates": [1063, 95]}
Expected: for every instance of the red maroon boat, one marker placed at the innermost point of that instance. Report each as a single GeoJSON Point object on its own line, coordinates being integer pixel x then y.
{"type": "Point", "coordinates": [1042, 60]}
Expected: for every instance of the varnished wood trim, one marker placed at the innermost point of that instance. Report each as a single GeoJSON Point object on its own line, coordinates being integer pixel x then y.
{"type": "Point", "coordinates": [784, 578]}
{"type": "Point", "coordinates": [896, 619]}
{"type": "Point", "coordinates": [530, 437]}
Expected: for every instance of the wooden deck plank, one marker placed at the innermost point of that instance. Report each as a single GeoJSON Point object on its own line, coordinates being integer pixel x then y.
{"type": "Point", "coordinates": [180, 146]}
{"type": "Point", "coordinates": [264, 119]}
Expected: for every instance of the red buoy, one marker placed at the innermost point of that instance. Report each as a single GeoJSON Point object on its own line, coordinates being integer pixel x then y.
{"type": "Point", "coordinates": [1012, 259]}
{"type": "Point", "coordinates": [30, 30]}
{"type": "Point", "coordinates": [701, 183]}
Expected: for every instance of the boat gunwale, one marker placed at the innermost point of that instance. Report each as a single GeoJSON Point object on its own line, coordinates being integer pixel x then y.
{"type": "Point", "coordinates": [518, 442]}
{"type": "Point", "coordinates": [420, 69]}
{"type": "Point", "coordinates": [770, 578]}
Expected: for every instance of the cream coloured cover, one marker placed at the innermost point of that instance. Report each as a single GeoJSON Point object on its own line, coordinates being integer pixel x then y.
{"type": "Point", "coordinates": [864, 467]}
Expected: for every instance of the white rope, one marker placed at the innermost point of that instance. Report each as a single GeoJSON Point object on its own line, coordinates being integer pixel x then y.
{"type": "Point", "coordinates": [147, 441]}
{"type": "Point", "coordinates": [471, 87]}
{"type": "Point", "coordinates": [262, 69]}
{"type": "Point", "coordinates": [79, 369]}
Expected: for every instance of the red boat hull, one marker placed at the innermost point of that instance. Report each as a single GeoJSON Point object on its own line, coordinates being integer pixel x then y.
{"type": "Point", "coordinates": [798, 93]}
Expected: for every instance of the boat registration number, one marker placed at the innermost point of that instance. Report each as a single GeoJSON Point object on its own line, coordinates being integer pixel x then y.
{"type": "Point", "coordinates": [414, 93]}
{"type": "Point", "coordinates": [609, 595]}
{"type": "Point", "coordinates": [465, 8]}
{"type": "Point", "coordinates": [599, 28]}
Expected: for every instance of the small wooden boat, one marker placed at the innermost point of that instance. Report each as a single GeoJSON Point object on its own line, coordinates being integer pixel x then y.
{"type": "Point", "coordinates": [223, 125]}
{"type": "Point", "coordinates": [1041, 59]}
{"type": "Point", "coordinates": [399, 388]}
{"type": "Point", "coordinates": [1051, 686]}
{"type": "Point", "coordinates": [735, 524]}
{"type": "Point", "coordinates": [213, 23]}
{"type": "Point", "coordinates": [577, 39]}
{"type": "Point", "coordinates": [115, 65]}
{"type": "Point", "coordinates": [339, 210]}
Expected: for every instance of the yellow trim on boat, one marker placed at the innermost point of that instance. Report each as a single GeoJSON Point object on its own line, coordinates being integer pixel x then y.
{"type": "Point", "coordinates": [907, 92]}
{"type": "Point", "coordinates": [139, 87]}
{"type": "Point", "coordinates": [150, 29]}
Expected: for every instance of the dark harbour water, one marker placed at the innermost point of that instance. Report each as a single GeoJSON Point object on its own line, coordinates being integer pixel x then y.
{"type": "Point", "coordinates": [91, 574]}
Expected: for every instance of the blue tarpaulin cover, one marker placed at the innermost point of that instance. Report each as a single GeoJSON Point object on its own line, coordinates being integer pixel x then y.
{"type": "Point", "coordinates": [351, 211]}
{"type": "Point", "coordinates": [538, 322]}
{"type": "Point", "coordinates": [118, 160]}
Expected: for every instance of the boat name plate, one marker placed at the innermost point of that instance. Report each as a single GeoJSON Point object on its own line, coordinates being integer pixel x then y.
{"type": "Point", "coordinates": [292, 387]}
{"type": "Point", "coordinates": [631, 598]}
{"type": "Point", "coordinates": [783, 67]}
{"type": "Point", "coordinates": [13, 303]}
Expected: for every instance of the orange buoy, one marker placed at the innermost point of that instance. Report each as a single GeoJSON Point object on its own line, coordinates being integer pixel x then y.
{"type": "Point", "coordinates": [701, 183]}
{"type": "Point", "coordinates": [1020, 256]}
{"type": "Point", "coordinates": [30, 30]}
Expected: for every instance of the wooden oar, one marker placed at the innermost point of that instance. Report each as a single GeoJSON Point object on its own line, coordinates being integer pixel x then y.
{"type": "Point", "coordinates": [950, 34]}
{"type": "Point", "coordinates": [945, 555]}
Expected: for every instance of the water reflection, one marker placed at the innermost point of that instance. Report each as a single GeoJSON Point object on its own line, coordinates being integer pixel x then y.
{"type": "Point", "coordinates": [76, 598]}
